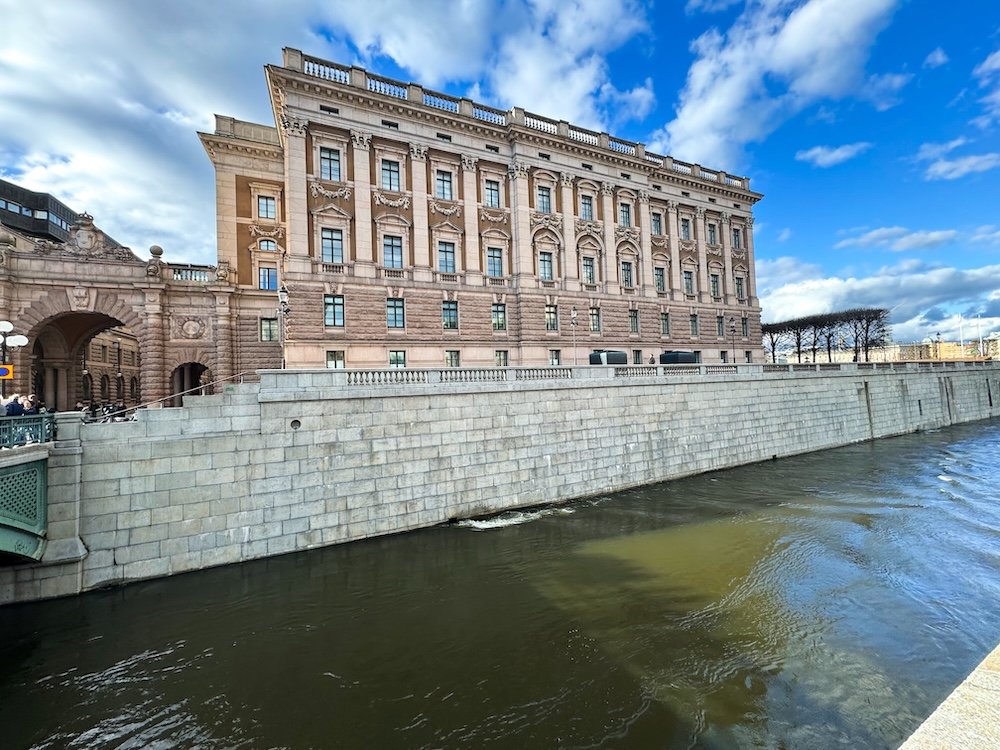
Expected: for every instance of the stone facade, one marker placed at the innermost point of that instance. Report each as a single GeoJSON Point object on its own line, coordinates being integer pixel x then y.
{"type": "Point", "coordinates": [311, 458]}
{"type": "Point", "coordinates": [373, 190]}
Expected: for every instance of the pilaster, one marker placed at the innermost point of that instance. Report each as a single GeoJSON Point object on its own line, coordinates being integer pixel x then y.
{"type": "Point", "coordinates": [610, 257]}
{"type": "Point", "coordinates": [365, 255]}
{"type": "Point", "coordinates": [470, 202]}
{"type": "Point", "coordinates": [296, 197]}
{"type": "Point", "coordinates": [676, 290]}
{"type": "Point", "coordinates": [646, 244]}
{"type": "Point", "coordinates": [704, 293]}
{"type": "Point", "coordinates": [521, 211]}
{"type": "Point", "coordinates": [418, 189]}
{"type": "Point", "coordinates": [571, 263]}
{"type": "Point", "coordinates": [727, 259]}
{"type": "Point", "coordinates": [751, 268]}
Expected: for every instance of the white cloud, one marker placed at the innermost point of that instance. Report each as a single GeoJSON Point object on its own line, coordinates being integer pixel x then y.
{"type": "Point", "coordinates": [988, 73]}
{"type": "Point", "coordinates": [988, 234]}
{"type": "Point", "coordinates": [953, 169]}
{"type": "Point", "coordinates": [828, 156]}
{"type": "Point", "coordinates": [784, 235]}
{"type": "Point", "coordinates": [929, 151]}
{"type": "Point", "coordinates": [936, 59]}
{"type": "Point", "coordinates": [882, 90]}
{"type": "Point", "coordinates": [709, 6]}
{"type": "Point", "coordinates": [900, 238]}
{"type": "Point", "coordinates": [769, 65]}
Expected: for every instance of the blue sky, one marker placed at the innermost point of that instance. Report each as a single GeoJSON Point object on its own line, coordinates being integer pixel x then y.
{"type": "Point", "coordinates": [871, 126]}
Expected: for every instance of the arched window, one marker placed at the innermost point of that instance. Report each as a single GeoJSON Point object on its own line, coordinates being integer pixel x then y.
{"type": "Point", "coordinates": [268, 246]}
{"type": "Point", "coordinates": [88, 388]}
{"type": "Point", "coordinates": [105, 388]}
{"type": "Point", "coordinates": [134, 390]}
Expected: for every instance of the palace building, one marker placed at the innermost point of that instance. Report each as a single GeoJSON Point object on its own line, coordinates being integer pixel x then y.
{"type": "Point", "coordinates": [412, 228]}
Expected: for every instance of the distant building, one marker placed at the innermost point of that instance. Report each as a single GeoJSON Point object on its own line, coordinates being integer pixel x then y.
{"type": "Point", "coordinates": [35, 214]}
{"type": "Point", "coordinates": [412, 228]}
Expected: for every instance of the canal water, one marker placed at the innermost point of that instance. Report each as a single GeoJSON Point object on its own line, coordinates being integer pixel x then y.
{"type": "Point", "coordinates": [825, 601]}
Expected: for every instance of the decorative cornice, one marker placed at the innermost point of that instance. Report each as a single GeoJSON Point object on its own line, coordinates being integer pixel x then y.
{"type": "Point", "coordinates": [498, 218]}
{"type": "Point", "coordinates": [257, 231]}
{"type": "Point", "coordinates": [418, 152]}
{"type": "Point", "coordinates": [361, 140]}
{"type": "Point", "coordinates": [293, 125]}
{"type": "Point", "coordinates": [445, 210]}
{"type": "Point", "coordinates": [517, 169]}
{"type": "Point", "coordinates": [316, 189]}
{"type": "Point", "coordinates": [402, 202]}
{"type": "Point", "coordinates": [469, 163]}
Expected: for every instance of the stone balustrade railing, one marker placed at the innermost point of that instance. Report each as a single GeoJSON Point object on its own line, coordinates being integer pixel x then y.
{"type": "Point", "coordinates": [359, 77]}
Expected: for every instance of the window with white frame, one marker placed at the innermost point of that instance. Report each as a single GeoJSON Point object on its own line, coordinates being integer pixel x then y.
{"type": "Point", "coordinates": [329, 164]}
{"type": "Point", "coordinates": [442, 185]}
{"type": "Point", "coordinates": [449, 315]}
{"type": "Point", "coordinates": [267, 207]}
{"type": "Point", "coordinates": [395, 312]}
{"type": "Point", "coordinates": [491, 193]}
{"type": "Point", "coordinates": [589, 276]}
{"type": "Point", "coordinates": [688, 277]}
{"type": "Point", "coordinates": [268, 329]}
{"type": "Point", "coordinates": [555, 357]}
{"type": "Point", "coordinates": [656, 221]}
{"type": "Point", "coordinates": [332, 245]}
{"type": "Point", "coordinates": [633, 321]}
{"type": "Point", "coordinates": [685, 229]}
{"type": "Point", "coordinates": [498, 312]}
{"type": "Point", "coordinates": [446, 257]}
{"type": "Point", "coordinates": [267, 246]}
{"type": "Point", "coordinates": [660, 278]}
{"type": "Point", "coordinates": [501, 358]}
{"type": "Point", "coordinates": [587, 207]}
{"type": "Point", "coordinates": [397, 358]}
{"type": "Point", "coordinates": [625, 214]}
{"type": "Point", "coordinates": [544, 200]}
{"type": "Point", "coordinates": [333, 310]}
{"type": "Point", "coordinates": [392, 251]}
{"type": "Point", "coordinates": [451, 358]}
{"type": "Point", "coordinates": [267, 278]}
{"type": "Point", "coordinates": [494, 261]}
{"type": "Point", "coordinates": [390, 175]}
{"type": "Point", "coordinates": [545, 266]}
{"type": "Point", "coordinates": [551, 318]}
{"type": "Point", "coordinates": [336, 360]}
{"type": "Point", "coordinates": [627, 280]}
{"type": "Point", "coordinates": [595, 319]}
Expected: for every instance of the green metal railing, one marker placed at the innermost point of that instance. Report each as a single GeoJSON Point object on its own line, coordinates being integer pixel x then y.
{"type": "Point", "coordinates": [35, 428]}
{"type": "Point", "coordinates": [23, 508]}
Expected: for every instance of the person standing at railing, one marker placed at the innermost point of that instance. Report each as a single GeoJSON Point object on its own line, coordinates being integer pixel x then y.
{"type": "Point", "coordinates": [14, 408]}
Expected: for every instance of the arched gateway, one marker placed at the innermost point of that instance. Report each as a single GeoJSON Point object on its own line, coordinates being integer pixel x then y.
{"type": "Point", "coordinates": [62, 295]}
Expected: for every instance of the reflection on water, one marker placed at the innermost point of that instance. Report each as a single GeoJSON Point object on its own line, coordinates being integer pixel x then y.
{"type": "Point", "coordinates": [830, 600]}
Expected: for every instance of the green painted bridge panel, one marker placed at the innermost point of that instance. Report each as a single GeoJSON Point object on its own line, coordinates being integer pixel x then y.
{"type": "Point", "coordinates": [23, 508]}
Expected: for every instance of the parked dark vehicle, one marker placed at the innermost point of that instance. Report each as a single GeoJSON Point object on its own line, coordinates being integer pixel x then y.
{"type": "Point", "coordinates": [608, 357]}
{"type": "Point", "coordinates": [678, 358]}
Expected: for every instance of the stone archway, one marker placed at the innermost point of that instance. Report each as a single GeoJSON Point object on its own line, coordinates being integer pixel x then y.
{"type": "Point", "coordinates": [189, 378]}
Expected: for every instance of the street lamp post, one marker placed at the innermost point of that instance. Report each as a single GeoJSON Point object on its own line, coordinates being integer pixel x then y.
{"type": "Point", "coordinates": [572, 321]}
{"type": "Point", "coordinates": [283, 312]}
{"type": "Point", "coordinates": [8, 342]}
{"type": "Point", "coordinates": [732, 335]}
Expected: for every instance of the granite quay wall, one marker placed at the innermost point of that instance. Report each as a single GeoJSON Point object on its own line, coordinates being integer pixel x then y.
{"type": "Point", "coordinates": [310, 458]}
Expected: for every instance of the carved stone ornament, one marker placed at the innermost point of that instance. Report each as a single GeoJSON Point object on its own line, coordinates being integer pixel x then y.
{"type": "Point", "coordinates": [725, 218]}
{"type": "Point", "coordinates": [222, 272]}
{"type": "Point", "coordinates": [361, 140]}
{"type": "Point", "coordinates": [86, 242]}
{"type": "Point", "coordinates": [469, 163]}
{"type": "Point", "coordinates": [316, 189]}
{"type": "Point", "coordinates": [154, 268]}
{"type": "Point", "coordinates": [79, 298]}
{"type": "Point", "coordinates": [672, 205]}
{"type": "Point", "coordinates": [566, 179]}
{"type": "Point", "coordinates": [643, 196]}
{"type": "Point", "coordinates": [739, 254]}
{"type": "Point", "coordinates": [500, 217]}
{"type": "Point", "coordinates": [660, 242]}
{"type": "Point", "coordinates": [276, 233]}
{"type": "Point", "coordinates": [401, 202]}
{"type": "Point", "coordinates": [517, 169]}
{"type": "Point", "coordinates": [607, 188]}
{"type": "Point", "coordinates": [191, 328]}
{"type": "Point", "coordinates": [749, 221]}
{"type": "Point", "coordinates": [418, 151]}
{"type": "Point", "coordinates": [688, 246]}
{"type": "Point", "coordinates": [627, 233]}
{"type": "Point", "coordinates": [292, 125]}
{"type": "Point", "coordinates": [549, 221]}
{"type": "Point", "coordinates": [713, 249]}
{"type": "Point", "coordinates": [699, 212]}
{"type": "Point", "coordinates": [588, 227]}
{"type": "Point", "coordinates": [445, 210]}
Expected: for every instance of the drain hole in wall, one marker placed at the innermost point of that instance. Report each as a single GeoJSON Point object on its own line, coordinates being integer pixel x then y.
{"type": "Point", "coordinates": [296, 424]}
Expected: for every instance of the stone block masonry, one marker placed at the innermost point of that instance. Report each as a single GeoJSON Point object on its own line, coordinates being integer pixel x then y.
{"type": "Point", "coordinates": [307, 458]}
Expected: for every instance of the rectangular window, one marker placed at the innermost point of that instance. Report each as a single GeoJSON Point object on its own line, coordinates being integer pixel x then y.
{"type": "Point", "coordinates": [723, 356]}
{"type": "Point", "coordinates": [551, 318]}
{"type": "Point", "coordinates": [390, 175]}
{"type": "Point", "coordinates": [442, 185]}
{"type": "Point", "coordinates": [555, 358]}
{"type": "Point", "coordinates": [625, 215]}
{"type": "Point", "coordinates": [267, 278]}
{"type": "Point", "coordinates": [714, 283]}
{"type": "Point", "coordinates": [657, 224]}
{"type": "Point", "coordinates": [395, 313]}
{"type": "Point", "coordinates": [392, 251]}
{"type": "Point", "coordinates": [336, 360]}
{"type": "Point", "coordinates": [266, 207]}
{"type": "Point", "coordinates": [694, 325]}
{"type": "Point", "coordinates": [329, 164]}
{"type": "Point", "coordinates": [545, 266]}
{"type": "Point", "coordinates": [660, 279]}
{"type": "Point", "coordinates": [491, 194]}
{"type": "Point", "coordinates": [664, 324]}
{"type": "Point", "coordinates": [595, 319]}
{"type": "Point", "coordinates": [500, 358]}
{"type": "Point", "coordinates": [397, 359]}
{"type": "Point", "coordinates": [449, 315]}
{"type": "Point", "coordinates": [685, 229]}
{"type": "Point", "coordinates": [544, 200]}
{"type": "Point", "coordinates": [712, 239]}
{"type": "Point", "coordinates": [268, 329]}
{"type": "Point", "coordinates": [499, 314]}
{"type": "Point", "coordinates": [451, 358]}
{"type": "Point", "coordinates": [637, 356]}
{"type": "Point", "coordinates": [633, 321]}
{"type": "Point", "coordinates": [333, 310]}
{"type": "Point", "coordinates": [333, 245]}
{"type": "Point", "coordinates": [689, 282]}
{"type": "Point", "coordinates": [720, 326]}
{"type": "Point", "coordinates": [627, 280]}
{"type": "Point", "coordinates": [446, 257]}
{"type": "Point", "coordinates": [737, 239]}
{"type": "Point", "coordinates": [740, 294]}
{"type": "Point", "coordinates": [494, 261]}
{"type": "Point", "coordinates": [586, 208]}
{"type": "Point", "coordinates": [748, 357]}
{"type": "Point", "coordinates": [745, 327]}
{"type": "Point", "coordinates": [588, 271]}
